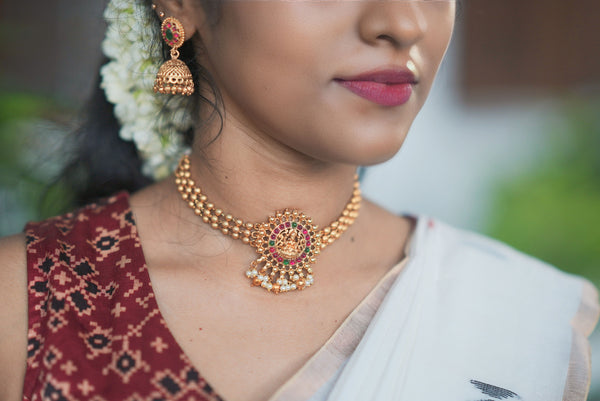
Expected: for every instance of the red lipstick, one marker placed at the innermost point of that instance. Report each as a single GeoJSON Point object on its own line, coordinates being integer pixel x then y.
{"type": "Point", "coordinates": [392, 87]}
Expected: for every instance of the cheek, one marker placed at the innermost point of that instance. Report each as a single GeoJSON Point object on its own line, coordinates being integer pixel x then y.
{"type": "Point", "coordinates": [265, 50]}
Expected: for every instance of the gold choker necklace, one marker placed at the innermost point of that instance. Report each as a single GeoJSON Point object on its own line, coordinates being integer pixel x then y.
{"type": "Point", "coordinates": [288, 242]}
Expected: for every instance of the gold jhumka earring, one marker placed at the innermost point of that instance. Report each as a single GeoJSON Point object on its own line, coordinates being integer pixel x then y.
{"type": "Point", "coordinates": [174, 77]}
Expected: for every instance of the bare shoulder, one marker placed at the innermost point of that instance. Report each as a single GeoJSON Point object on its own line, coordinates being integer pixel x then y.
{"type": "Point", "coordinates": [13, 316]}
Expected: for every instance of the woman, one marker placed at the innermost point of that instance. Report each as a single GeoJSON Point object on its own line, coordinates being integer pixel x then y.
{"type": "Point", "coordinates": [147, 297]}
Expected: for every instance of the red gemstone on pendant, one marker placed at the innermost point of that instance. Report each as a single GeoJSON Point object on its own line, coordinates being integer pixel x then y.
{"type": "Point", "coordinates": [304, 232]}
{"type": "Point", "coordinates": [307, 243]}
{"type": "Point", "coordinates": [299, 227]}
{"type": "Point", "coordinates": [282, 226]}
{"type": "Point", "coordinates": [292, 262]}
{"type": "Point", "coordinates": [276, 231]}
{"type": "Point", "coordinates": [280, 259]}
{"type": "Point", "coordinates": [275, 255]}
{"type": "Point", "coordinates": [272, 250]}
{"type": "Point", "coordinates": [273, 236]}
{"type": "Point", "coordinates": [287, 224]}
{"type": "Point", "coordinates": [303, 256]}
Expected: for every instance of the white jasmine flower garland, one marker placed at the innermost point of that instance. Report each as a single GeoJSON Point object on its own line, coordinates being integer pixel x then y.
{"type": "Point", "coordinates": [154, 122]}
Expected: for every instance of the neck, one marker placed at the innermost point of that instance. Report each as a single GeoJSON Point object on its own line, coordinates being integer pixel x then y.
{"type": "Point", "coordinates": [251, 177]}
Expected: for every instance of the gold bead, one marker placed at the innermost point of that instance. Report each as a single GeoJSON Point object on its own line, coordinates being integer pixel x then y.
{"type": "Point", "coordinates": [215, 225]}
{"type": "Point", "coordinates": [235, 235]}
{"type": "Point", "coordinates": [225, 231]}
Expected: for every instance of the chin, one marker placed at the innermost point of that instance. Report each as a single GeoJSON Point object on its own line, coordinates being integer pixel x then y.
{"type": "Point", "coordinates": [364, 152]}
{"type": "Point", "coordinates": [377, 156]}
{"type": "Point", "coordinates": [377, 149]}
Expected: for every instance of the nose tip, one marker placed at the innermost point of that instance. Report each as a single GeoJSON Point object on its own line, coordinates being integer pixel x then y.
{"type": "Point", "coordinates": [398, 23]}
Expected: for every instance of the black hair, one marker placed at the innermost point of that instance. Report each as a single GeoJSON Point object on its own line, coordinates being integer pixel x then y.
{"type": "Point", "coordinates": [102, 163]}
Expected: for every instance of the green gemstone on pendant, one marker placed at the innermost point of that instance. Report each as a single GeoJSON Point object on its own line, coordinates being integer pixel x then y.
{"type": "Point", "coordinates": [286, 262]}
{"type": "Point", "coordinates": [307, 250]}
{"type": "Point", "coordinates": [294, 224]}
{"type": "Point", "coordinates": [169, 34]}
{"type": "Point", "coordinates": [272, 243]}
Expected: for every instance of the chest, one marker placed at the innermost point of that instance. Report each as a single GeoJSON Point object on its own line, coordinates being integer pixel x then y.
{"type": "Point", "coordinates": [248, 347]}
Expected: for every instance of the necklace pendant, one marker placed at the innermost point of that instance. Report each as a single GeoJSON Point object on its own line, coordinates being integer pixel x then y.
{"type": "Point", "coordinates": [288, 244]}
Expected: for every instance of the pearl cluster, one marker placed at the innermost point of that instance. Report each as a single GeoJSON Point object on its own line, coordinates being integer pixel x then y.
{"type": "Point", "coordinates": [287, 242]}
{"type": "Point", "coordinates": [280, 285]}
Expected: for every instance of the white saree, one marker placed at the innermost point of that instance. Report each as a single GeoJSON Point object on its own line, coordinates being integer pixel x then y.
{"type": "Point", "coordinates": [461, 318]}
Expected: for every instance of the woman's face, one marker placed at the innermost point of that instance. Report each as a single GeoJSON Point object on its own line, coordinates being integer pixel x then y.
{"type": "Point", "coordinates": [338, 81]}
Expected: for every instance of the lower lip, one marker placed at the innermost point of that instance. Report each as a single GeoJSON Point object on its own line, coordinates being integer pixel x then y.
{"type": "Point", "coordinates": [380, 93]}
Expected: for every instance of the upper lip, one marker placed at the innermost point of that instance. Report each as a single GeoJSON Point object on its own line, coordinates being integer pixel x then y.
{"type": "Point", "coordinates": [390, 76]}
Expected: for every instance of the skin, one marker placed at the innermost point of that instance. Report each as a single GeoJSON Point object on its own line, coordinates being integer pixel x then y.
{"type": "Point", "coordinates": [292, 137]}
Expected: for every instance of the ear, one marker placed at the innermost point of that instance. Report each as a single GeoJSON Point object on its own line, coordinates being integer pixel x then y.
{"type": "Point", "coordinates": [188, 12]}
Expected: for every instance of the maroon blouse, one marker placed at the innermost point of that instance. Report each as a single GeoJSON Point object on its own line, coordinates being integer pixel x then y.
{"type": "Point", "coordinates": [95, 330]}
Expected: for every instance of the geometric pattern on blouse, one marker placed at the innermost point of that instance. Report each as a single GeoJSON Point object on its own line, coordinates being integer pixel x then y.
{"type": "Point", "coordinates": [95, 331]}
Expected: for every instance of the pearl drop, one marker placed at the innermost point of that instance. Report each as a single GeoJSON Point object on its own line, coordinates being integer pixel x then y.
{"type": "Point", "coordinates": [279, 282]}
{"type": "Point", "coordinates": [296, 277]}
{"type": "Point", "coordinates": [248, 274]}
{"type": "Point", "coordinates": [294, 286]}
